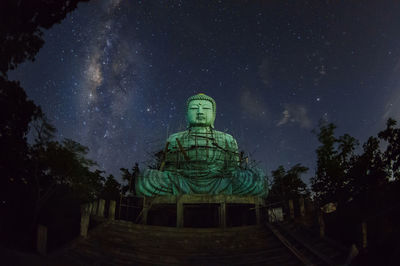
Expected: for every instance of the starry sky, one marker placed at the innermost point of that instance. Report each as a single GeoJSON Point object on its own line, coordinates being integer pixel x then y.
{"type": "Point", "coordinates": [115, 74]}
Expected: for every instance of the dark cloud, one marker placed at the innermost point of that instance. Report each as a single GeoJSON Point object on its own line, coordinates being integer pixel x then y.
{"type": "Point", "coordinates": [295, 114]}
{"type": "Point", "coordinates": [253, 105]}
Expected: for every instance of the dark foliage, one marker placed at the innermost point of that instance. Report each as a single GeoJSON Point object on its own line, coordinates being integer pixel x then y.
{"type": "Point", "coordinates": [16, 112]}
{"type": "Point", "coordinates": [45, 179]}
{"type": "Point", "coordinates": [365, 186]}
{"type": "Point", "coordinates": [129, 178]}
{"type": "Point", "coordinates": [392, 154]}
{"type": "Point", "coordinates": [287, 185]}
{"type": "Point", "coordinates": [111, 189]}
{"type": "Point", "coordinates": [343, 176]}
{"type": "Point", "coordinates": [335, 156]}
{"type": "Point", "coordinates": [21, 28]}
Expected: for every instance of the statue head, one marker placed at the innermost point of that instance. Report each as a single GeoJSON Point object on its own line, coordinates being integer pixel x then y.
{"type": "Point", "coordinates": [201, 110]}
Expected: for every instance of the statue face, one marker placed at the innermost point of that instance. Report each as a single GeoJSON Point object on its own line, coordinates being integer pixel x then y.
{"type": "Point", "coordinates": [200, 113]}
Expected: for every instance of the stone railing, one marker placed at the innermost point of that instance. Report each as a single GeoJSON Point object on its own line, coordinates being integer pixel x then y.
{"type": "Point", "coordinates": [95, 209]}
{"type": "Point", "coordinates": [275, 214]}
{"type": "Point", "coordinates": [276, 210]}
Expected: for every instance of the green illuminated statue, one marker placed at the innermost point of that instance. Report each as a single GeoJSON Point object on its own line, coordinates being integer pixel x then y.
{"type": "Point", "coordinates": [201, 160]}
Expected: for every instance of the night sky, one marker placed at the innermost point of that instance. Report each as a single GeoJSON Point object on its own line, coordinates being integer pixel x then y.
{"type": "Point", "coordinates": [115, 74]}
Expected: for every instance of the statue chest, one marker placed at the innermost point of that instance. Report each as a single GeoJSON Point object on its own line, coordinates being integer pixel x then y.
{"type": "Point", "coordinates": [197, 149]}
{"type": "Point", "coordinates": [201, 151]}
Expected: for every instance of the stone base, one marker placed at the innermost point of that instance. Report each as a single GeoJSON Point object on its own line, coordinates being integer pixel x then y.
{"type": "Point", "coordinates": [210, 208]}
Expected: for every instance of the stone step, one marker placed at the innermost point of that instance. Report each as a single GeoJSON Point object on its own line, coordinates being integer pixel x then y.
{"type": "Point", "coordinates": [173, 246]}
{"type": "Point", "coordinates": [196, 238]}
{"type": "Point", "coordinates": [163, 250]}
{"type": "Point", "coordinates": [328, 247]}
{"type": "Point", "coordinates": [99, 245]}
{"type": "Point", "coordinates": [192, 233]}
{"type": "Point", "coordinates": [124, 243]}
{"type": "Point", "coordinates": [239, 229]}
{"type": "Point", "coordinates": [154, 257]}
{"type": "Point", "coordinates": [177, 234]}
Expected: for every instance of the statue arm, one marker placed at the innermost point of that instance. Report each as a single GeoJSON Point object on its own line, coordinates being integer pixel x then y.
{"type": "Point", "coordinates": [236, 151]}
{"type": "Point", "coordinates": [233, 150]}
{"type": "Point", "coordinates": [171, 157]}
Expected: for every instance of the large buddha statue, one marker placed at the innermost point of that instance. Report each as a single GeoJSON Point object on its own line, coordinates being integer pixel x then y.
{"type": "Point", "coordinates": [201, 160]}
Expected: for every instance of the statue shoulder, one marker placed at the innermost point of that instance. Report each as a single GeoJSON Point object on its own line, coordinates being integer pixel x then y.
{"type": "Point", "coordinates": [172, 138]}
{"type": "Point", "coordinates": [227, 136]}
{"type": "Point", "coordinates": [224, 139]}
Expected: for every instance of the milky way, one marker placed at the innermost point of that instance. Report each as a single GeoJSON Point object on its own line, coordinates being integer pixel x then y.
{"type": "Point", "coordinates": [109, 88]}
{"type": "Point", "coordinates": [115, 75]}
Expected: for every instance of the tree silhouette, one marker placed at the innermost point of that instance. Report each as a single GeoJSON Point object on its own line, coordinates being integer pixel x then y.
{"type": "Point", "coordinates": [392, 154]}
{"type": "Point", "coordinates": [288, 185]}
{"type": "Point", "coordinates": [29, 173]}
{"type": "Point", "coordinates": [335, 157]}
{"type": "Point", "coordinates": [21, 28]}
{"type": "Point", "coordinates": [111, 189]}
{"type": "Point", "coordinates": [365, 185]}
{"type": "Point", "coordinates": [21, 37]}
{"type": "Point", "coordinates": [55, 164]}
{"type": "Point", "coordinates": [130, 179]}
{"type": "Point", "coordinates": [343, 176]}
{"type": "Point", "coordinates": [16, 111]}
{"type": "Point", "coordinates": [367, 177]}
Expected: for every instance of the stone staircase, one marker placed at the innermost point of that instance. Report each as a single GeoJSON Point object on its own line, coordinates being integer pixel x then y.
{"type": "Point", "coordinates": [324, 250]}
{"type": "Point", "coordinates": [125, 243]}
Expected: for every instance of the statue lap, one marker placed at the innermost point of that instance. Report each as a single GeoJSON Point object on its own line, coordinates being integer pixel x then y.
{"type": "Point", "coordinates": [203, 161]}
